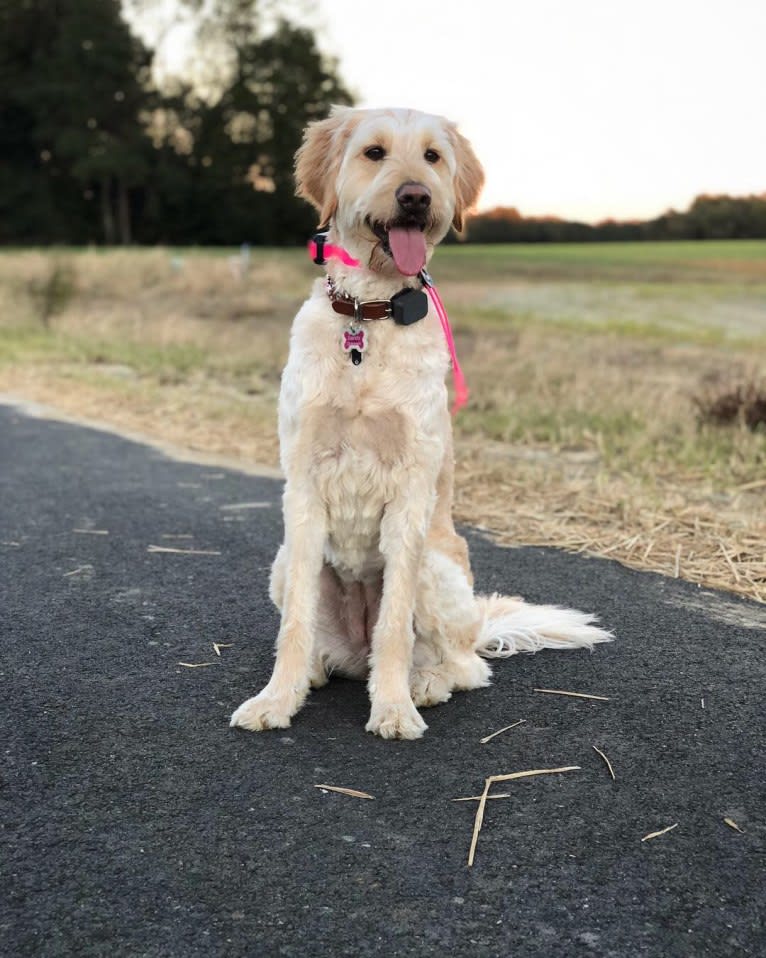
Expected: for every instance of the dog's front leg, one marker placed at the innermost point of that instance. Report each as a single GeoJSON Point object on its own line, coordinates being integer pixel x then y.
{"type": "Point", "coordinates": [402, 538]}
{"type": "Point", "coordinates": [305, 531]}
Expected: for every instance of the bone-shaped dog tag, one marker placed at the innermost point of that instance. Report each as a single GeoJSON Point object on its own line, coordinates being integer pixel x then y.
{"type": "Point", "coordinates": [354, 342]}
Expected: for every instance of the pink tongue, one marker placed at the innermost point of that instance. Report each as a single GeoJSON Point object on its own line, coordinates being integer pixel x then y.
{"type": "Point", "coordinates": [408, 247]}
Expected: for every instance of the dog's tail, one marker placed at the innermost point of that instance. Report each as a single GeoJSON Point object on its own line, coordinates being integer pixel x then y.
{"type": "Point", "coordinates": [510, 625]}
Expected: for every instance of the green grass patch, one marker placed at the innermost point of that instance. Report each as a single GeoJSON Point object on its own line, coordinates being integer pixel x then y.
{"type": "Point", "coordinates": [705, 261]}
{"type": "Point", "coordinates": [31, 344]}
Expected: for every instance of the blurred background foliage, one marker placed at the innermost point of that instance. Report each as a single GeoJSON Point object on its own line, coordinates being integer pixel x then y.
{"type": "Point", "coordinates": [94, 149]}
{"type": "Point", "coordinates": [708, 217]}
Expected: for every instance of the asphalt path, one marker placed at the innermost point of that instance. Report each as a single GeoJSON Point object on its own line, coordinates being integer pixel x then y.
{"type": "Point", "coordinates": [135, 822]}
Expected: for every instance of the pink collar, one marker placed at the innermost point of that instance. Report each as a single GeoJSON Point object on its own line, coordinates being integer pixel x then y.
{"type": "Point", "coordinates": [320, 251]}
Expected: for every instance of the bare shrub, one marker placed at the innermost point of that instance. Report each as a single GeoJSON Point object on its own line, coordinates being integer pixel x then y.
{"type": "Point", "coordinates": [730, 405]}
{"type": "Point", "coordinates": [54, 292]}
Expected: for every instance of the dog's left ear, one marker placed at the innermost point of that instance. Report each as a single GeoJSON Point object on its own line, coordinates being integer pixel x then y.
{"type": "Point", "coordinates": [318, 160]}
{"type": "Point", "coordinates": [469, 177]}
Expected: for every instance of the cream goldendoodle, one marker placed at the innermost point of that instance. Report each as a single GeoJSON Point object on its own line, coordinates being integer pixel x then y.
{"type": "Point", "coordinates": [372, 580]}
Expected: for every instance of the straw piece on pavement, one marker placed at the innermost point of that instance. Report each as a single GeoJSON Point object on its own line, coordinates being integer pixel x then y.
{"type": "Point", "coordinates": [513, 725]}
{"type": "Point", "coordinates": [577, 695]}
{"type": "Point", "coordinates": [187, 552]}
{"type": "Point", "coordinates": [352, 792]}
{"type": "Point", "coordinates": [477, 798]}
{"type": "Point", "coordinates": [504, 778]}
{"type": "Point", "coordinates": [662, 831]}
{"type": "Point", "coordinates": [732, 824]}
{"type": "Point", "coordinates": [478, 820]}
{"type": "Point", "coordinates": [608, 763]}
{"type": "Point", "coordinates": [237, 506]}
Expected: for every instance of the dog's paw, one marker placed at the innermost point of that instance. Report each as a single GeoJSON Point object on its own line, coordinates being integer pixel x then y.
{"type": "Point", "coordinates": [400, 720]}
{"type": "Point", "coordinates": [470, 672]}
{"type": "Point", "coordinates": [429, 687]}
{"type": "Point", "coordinates": [265, 710]}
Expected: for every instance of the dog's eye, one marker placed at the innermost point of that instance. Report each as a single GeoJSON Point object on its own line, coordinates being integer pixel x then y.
{"type": "Point", "coordinates": [431, 156]}
{"type": "Point", "coordinates": [375, 153]}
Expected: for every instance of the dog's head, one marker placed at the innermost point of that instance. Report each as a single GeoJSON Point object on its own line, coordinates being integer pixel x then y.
{"type": "Point", "coordinates": [391, 182]}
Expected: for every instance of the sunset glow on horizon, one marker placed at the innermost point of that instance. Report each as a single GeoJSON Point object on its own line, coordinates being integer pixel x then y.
{"type": "Point", "coordinates": [588, 110]}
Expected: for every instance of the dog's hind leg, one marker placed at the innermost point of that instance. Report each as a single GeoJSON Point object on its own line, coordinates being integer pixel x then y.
{"type": "Point", "coordinates": [447, 621]}
{"type": "Point", "coordinates": [341, 640]}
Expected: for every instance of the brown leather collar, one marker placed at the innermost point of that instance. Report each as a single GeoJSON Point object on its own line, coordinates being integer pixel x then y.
{"type": "Point", "coordinates": [405, 307]}
{"type": "Point", "coordinates": [348, 306]}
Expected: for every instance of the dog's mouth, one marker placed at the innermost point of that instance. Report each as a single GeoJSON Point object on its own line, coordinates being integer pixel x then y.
{"type": "Point", "coordinates": [404, 240]}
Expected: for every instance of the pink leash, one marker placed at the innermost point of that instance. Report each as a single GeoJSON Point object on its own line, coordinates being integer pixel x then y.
{"type": "Point", "coordinates": [458, 379]}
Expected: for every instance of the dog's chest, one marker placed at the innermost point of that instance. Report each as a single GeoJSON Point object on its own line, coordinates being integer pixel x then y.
{"type": "Point", "coordinates": [358, 462]}
{"type": "Point", "coordinates": [358, 433]}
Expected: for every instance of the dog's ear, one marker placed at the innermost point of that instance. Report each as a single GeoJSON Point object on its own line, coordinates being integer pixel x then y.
{"type": "Point", "coordinates": [469, 177]}
{"type": "Point", "coordinates": [318, 160]}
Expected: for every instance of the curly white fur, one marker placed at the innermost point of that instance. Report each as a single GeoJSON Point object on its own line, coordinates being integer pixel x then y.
{"type": "Point", "coordinates": [509, 626]}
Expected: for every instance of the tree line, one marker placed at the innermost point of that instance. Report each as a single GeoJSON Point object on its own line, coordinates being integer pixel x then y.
{"type": "Point", "coordinates": [708, 217]}
{"type": "Point", "coordinates": [93, 150]}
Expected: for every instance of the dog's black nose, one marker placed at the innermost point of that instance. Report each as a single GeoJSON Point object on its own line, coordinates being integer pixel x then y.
{"type": "Point", "coordinates": [413, 197]}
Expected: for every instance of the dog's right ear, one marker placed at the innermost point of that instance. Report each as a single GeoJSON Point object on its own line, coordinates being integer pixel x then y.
{"type": "Point", "coordinates": [318, 160]}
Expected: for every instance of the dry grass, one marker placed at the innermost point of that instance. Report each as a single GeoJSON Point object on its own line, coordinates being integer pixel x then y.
{"type": "Point", "coordinates": [488, 738]}
{"type": "Point", "coordinates": [732, 824]}
{"type": "Point", "coordinates": [662, 831]}
{"type": "Point", "coordinates": [574, 695]}
{"type": "Point", "coordinates": [489, 782]}
{"type": "Point", "coordinates": [351, 792]}
{"type": "Point", "coordinates": [582, 431]}
{"type": "Point", "coordinates": [606, 760]}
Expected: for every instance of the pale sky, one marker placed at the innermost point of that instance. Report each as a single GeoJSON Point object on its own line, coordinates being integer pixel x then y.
{"type": "Point", "coordinates": [579, 108]}
{"type": "Point", "coordinates": [583, 109]}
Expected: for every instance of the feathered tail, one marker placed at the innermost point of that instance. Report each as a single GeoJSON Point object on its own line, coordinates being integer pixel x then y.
{"type": "Point", "coordinates": [511, 625]}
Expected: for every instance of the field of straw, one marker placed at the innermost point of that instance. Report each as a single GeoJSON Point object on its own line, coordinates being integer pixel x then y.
{"type": "Point", "coordinates": [618, 392]}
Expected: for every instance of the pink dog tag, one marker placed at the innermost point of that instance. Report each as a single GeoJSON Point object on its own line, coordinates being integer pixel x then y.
{"type": "Point", "coordinates": [354, 342]}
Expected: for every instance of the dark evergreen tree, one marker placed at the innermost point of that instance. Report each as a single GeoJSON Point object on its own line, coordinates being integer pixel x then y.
{"type": "Point", "coordinates": [253, 95]}
{"type": "Point", "coordinates": [72, 82]}
{"type": "Point", "coordinates": [90, 151]}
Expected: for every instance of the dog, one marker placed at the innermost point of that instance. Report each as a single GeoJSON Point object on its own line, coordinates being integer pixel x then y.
{"type": "Point", "coordinates": [372, 581]}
